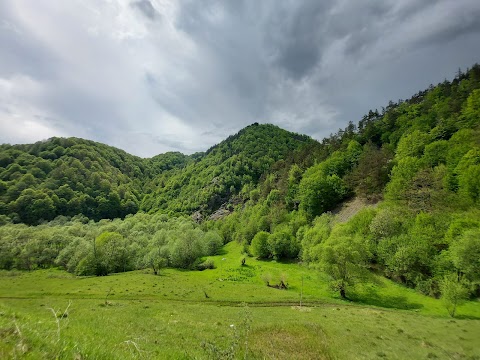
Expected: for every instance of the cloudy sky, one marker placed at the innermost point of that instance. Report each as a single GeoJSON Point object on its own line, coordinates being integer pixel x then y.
{"type": "Point", "coordinates": [150, 76]}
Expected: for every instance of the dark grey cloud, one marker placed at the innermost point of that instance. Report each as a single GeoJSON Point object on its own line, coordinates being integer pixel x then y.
{"type": "Point", "coordinates": [146, 8]}
{"type": "Point", "coordinates": [112, 72]}
{"type": "Point", "coordinates": [296, 36]}
{"type": "Point", "coordinates": [464, 22]}
{"type": "Point", "coordinates": [413, 8]}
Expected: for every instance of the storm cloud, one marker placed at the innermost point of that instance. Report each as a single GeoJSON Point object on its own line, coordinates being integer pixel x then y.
{"type": "Point", "coordinates": [150, 76]}
{"type": "Point", "coordinates": [146, 7]}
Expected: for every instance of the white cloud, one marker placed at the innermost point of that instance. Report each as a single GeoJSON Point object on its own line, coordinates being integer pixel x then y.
{"type": "Point", "coordinates": [21, 120]}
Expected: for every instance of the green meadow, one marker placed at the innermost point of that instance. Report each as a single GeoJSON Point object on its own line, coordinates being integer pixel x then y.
{"type": "Point", "coordinates": [226, 312]}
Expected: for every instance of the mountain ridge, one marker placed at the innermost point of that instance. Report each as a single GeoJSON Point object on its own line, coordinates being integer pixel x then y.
{"type": "Point", "coordinates": [66, 176]}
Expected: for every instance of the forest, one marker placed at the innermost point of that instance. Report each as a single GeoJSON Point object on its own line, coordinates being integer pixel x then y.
{"type": "Point", "coordinates": [92, 209]}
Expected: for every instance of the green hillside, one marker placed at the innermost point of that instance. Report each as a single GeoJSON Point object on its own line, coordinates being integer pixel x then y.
{"type": "Point", "coordinates": [70, 176]}
{"type": "Point", "coordinates": [233, 166]}
{"type": "Point", "coordinates": [74, 176]}
{"type": "Point", "coordinates": [224, 313]}
{"type": "Point", "coordinates": [419, 158]}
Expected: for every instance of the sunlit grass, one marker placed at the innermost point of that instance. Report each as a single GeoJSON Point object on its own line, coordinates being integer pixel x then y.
{"type": "Point", "coordinates": [172, 315]}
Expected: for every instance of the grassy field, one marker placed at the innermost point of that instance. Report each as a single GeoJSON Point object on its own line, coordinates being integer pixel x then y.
{"type": "Point", "coordinates": [227, 312]}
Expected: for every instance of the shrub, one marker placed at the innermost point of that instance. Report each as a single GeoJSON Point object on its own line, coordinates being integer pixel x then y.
{"type": "Point", "coordinates": [207, 264]}
{"type": "Point", "coordinates": [260, 245]}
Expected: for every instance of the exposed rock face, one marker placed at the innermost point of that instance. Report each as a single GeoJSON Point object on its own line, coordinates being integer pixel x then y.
{"type": "Point", "coordinates": [197, 217]}
{"type": "Point", "coordinates": [219, 214]}
{"type": "Point", "coordinates": [225, 209]}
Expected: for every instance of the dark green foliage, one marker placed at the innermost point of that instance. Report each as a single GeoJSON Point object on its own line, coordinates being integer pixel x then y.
{"type": "Point", "coordinates": [223, 171]}
{"type": "Point", "coordinates": [370, 176]}
{"type": "Point", "coordinates": [74, 176]}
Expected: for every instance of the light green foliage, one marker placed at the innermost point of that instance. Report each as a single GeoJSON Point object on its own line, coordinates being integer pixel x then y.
{"type": "Point", "coordinates": [283, 244]}
{"type": "Point", "coordinates": [213, 242]}
{"type": "Point", "coordinates": [343, 258]}
{"type": "Point", "coordinates": [155, 259]}
{"type": "Point", "coordinates": [460, 223]}
{"type": "Point", "coordinates": [459, 144]}
{"type": "Point", "coordinates": [468, 174]}
{"type": "Point", "coordinates": [260, 245]}
{"type": "Point", "coordinates": [319, 194]}
{"type": "Point", "coordinates": [110, 253]}
{"type": "Point", "coordinates": [466, 254]}
{"type": "Point", "coordinates": [186, 246]}
{"type": "Point", "coordinates": [412, 145]}
{"type": "Point", "coordinates": [411, 256]}
{"type": "Point", "coordinates": [107, 246]}
{"type": "Point", "coordinates": [360, 223]}
{"type": "Point", "coordinates": [401, 176]}
{"type": "Point", "coordinates": [405, 257]}
{"type": "Point", "coordinates": [387, 222]}
{"type": "Point", "coordinates": [312, 237]}
{"type": "Point", "coordinates": [436, 153]}
{"type": "Point", "coordinates": [322, 186]}
{"type": "Point", "coordinates": [471, 111]}
{"type": "Point", "coordinates": [454, 293]}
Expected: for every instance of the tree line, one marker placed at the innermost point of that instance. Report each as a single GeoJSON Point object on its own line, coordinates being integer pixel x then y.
{"type": "Point", "coordinates": [86, 247]}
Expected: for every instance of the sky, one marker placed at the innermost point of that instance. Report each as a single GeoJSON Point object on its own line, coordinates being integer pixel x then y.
{"type": "Point", "coordinates": [151, 76]}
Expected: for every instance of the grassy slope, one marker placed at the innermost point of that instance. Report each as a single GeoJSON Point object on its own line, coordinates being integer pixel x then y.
{"type": "Point", "coordinates": [169, 316]}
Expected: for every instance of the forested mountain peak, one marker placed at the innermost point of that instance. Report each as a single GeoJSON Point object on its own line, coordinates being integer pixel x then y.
{"type": "Point", "coordinates": [254, 136]}
{"type": "Point", "coordinates": [234, 165]}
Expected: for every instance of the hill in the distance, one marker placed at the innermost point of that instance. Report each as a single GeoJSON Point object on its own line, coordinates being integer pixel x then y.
{"type": "Point", "coordinates": [70, 176]}
{"type": "Point", "coordinates": [225, 170]}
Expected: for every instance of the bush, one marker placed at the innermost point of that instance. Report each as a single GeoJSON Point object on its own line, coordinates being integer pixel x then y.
{"type": "Point", "coordinates": [260, 245]}
{"type": "Point", "coordinates": [207, 264]}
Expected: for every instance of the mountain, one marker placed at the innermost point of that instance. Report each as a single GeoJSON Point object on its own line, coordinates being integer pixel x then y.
{"type": "Point", "coordinates": [224, 171]}
{"type": "Point", "coordinates": [70, 176]}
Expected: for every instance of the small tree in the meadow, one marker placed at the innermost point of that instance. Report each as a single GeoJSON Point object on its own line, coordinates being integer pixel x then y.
{"type": "Point", "coordinates": [260, 245]}
{"type": "Point", "coordinates": [342, 258]}
{"type": "Point", "coordinates": [154, 259]}
{"type": "Point", "coordinates": [454, 293]}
